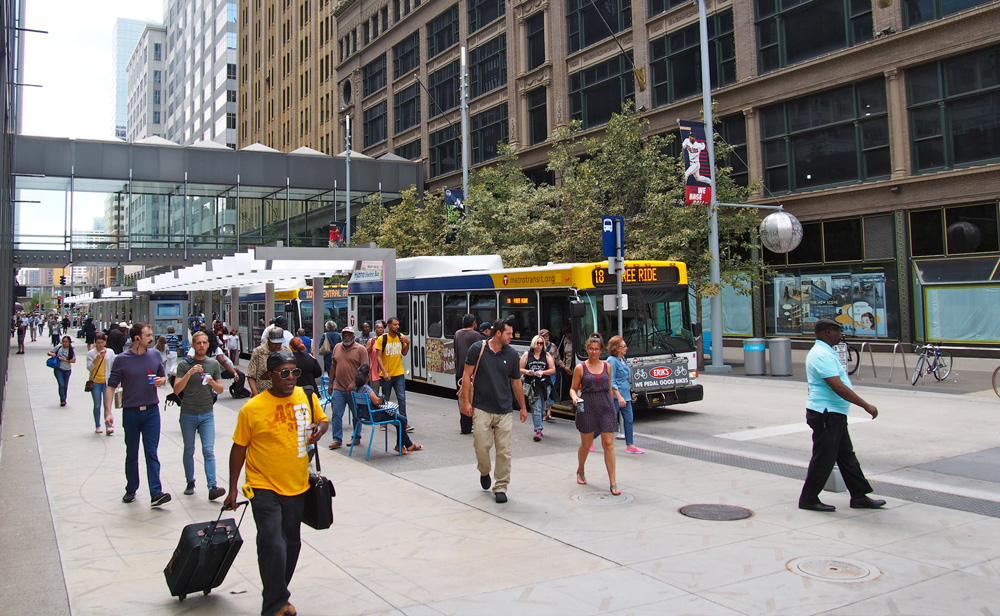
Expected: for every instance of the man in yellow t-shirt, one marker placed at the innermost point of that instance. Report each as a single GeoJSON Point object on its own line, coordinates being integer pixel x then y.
{"type": "Point", "coordinates": [273, 433]}
{"type": "Point", "coordinates": [392, 346]}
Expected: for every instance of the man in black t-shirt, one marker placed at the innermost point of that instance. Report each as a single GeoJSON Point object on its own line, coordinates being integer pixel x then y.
{"type": "Point", "coordinates": [497, 382]}
{"type": "Point", "coordinates": [464, 338]}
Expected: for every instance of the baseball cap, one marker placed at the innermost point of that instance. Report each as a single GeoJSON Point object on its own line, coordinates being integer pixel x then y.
{"type": "Point", "coordinates": [280, 321]}
{"type": "Point", "coordinates": [276, 359]}
{"type": "Point", "coordinates": [347, 330]}
{"type": "Point", "coordinates": [824, 324]}
{"type": "Point", "coordinates": [123, 324]}
{"type": "Point", "coordinates": [485, 326]}
{"type": "Point", "coordinates": [276, 335]}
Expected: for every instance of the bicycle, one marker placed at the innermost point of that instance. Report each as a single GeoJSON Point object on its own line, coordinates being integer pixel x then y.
{"type": "Point", "coordinates": [996, 381]}
{"type": "Point", "coordinates": [852, 355]}
{"type": "Point", "coordinates": [933, 360]}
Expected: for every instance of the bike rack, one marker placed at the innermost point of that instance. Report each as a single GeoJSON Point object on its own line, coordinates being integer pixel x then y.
{"type": "Point", "coordinates": [898, 348]}
{"type": "Point", "coordinates": [871, 356]}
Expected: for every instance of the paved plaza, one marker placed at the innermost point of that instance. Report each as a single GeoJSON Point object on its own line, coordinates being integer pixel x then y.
{"type": "Point", "coordinates": [416, 535]}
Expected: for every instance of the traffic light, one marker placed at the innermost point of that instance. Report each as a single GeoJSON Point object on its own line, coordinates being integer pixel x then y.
{"type": "Point", "coordinates": [62, 281]}
{"type": "Point", "coordinates": [59, 301]}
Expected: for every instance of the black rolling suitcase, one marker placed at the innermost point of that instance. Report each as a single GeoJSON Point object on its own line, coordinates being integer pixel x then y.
{"type": "Point", "coordinates": [204, 555]}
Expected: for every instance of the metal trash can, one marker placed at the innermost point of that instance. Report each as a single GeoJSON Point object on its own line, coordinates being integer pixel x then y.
{"type": "Point", "coordinates": [753, 356]}
{"type": "Point", "coordinates": [781, 356]}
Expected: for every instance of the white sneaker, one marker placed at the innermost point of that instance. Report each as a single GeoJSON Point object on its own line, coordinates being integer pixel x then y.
{"type": "Point", "coordinates": [620, 436]}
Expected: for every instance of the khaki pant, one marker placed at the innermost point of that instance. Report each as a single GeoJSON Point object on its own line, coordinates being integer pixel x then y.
{"type": "Point", "coordinates": [489, 429]}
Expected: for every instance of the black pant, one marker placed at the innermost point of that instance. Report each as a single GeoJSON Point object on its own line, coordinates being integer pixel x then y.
{"type": "Point", "coordinates": [278, 520]}
{"type": "Point", "coordinates": [464, 422]}
{"type": "Point", "coordinates": [832, 443]}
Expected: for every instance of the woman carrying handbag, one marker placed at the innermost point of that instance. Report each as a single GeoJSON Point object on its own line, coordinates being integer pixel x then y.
{"type": "Point", "coordinates": [99, 362]}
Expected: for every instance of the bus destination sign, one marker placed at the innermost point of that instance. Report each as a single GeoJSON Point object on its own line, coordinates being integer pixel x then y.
{"type": "Point", "coordinates": [641, 274]}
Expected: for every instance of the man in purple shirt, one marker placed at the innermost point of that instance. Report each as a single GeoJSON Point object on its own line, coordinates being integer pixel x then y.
{"type": "Point", "coordinates": [139, 371]}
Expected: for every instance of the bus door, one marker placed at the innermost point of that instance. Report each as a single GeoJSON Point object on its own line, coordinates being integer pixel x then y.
{"type": "Point", "coordinates": [418, 337]}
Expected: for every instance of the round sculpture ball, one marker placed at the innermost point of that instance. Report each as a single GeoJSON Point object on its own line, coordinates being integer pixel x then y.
{"type": "Point", "coordinates": [781, 232]}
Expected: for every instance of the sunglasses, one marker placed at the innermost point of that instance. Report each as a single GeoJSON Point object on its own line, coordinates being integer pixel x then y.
{"type": "Point", "coordinates": [296, 372]}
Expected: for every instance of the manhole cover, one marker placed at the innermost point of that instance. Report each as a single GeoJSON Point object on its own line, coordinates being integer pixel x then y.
{"type": "Point", "coordinates": [833, 569]}
{"type": "Point", "coordinates": [603, 498]}
{"type": "Point", "coordinates": [721, 513]}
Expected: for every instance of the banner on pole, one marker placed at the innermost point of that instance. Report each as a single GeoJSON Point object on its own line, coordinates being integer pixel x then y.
{"type": "Point", "coordinates": [697, 180]}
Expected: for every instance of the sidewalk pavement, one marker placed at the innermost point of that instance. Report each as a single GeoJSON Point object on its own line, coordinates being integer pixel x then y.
{"type": "Point", "coordinates": [416, 535]}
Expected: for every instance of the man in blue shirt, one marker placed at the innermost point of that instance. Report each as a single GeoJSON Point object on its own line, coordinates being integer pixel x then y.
{"type": "Point", "coordinates": [830, 398]}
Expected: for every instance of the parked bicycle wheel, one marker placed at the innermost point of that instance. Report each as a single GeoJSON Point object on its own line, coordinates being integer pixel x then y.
{"type": "Point", "coordinates": [918, 370]}
{"type": "Point", "coordinates": [942, 365]}
{"type": "Point", "coordinates": [996, 381]}
{"type": "Point", "coordinates": [853, 360]}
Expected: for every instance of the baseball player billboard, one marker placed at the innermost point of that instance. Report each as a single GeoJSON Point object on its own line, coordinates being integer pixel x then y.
{"type": "Point", "coordinates": [697, 181]}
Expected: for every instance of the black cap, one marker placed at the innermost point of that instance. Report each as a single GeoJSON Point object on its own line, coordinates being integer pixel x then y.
{"type": "Point", "coordinates": [824, 324]}
{"type": "Point", "coordinates": [276, 359]}
{"type": "Point", "coordinates": [280, 321]}
{"type": "Point", "coordinates": [485, 327]}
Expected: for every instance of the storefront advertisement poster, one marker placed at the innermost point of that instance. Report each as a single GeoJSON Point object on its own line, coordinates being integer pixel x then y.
{"type": "Point", "coordinates": [864, 314]}
{"type": "Point", "coordinates": [788, 305]}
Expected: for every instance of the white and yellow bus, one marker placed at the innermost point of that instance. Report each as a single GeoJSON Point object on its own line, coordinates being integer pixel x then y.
{"type": "Point", "coordinates": [434, 293]}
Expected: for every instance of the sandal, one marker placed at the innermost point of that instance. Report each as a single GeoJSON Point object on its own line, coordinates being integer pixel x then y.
{"type": "Point", "coordinates": [581, 478]}
{"type": "Point", "coordinates": [409, 428]}
{"type": "Point", "coordinates": [415, 447]}
{"type": "Point", "coordinates": [615, 491]}
{"type": "Point", "coordinates": [406, 451]}
{"type": "Point", "coordinates": [98, 431]}
{"type": "Point", "coordinates": [109, 431]}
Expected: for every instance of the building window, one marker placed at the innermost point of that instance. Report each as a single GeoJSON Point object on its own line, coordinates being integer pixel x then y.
{"type": "Point", "coordinates": [156, 97]}
{"type": "Point", "coordinates": [733, 130]}
{"type": "Point", "coordinates": [482, 12]}
{"type": "Point", "coordinates": [954, 107]}
{"type": "Point", "coordinates": [955, 230]}
{"type": "Point", "coordinates": [375, 121]}
{"type": "Point", "coordinates": [443, 89]}
{"type": "Point", "coordinates": [373, 77]}
{"type": "Point", "coordinates": [406, 108]}
{"type": "Point", "coordinates": [231, 96]}
{"type": "Point", "coordinates": [662, 6]}
{"type": "Point", "coordinates": [599, 91]}
{"type": "Point", "coordinates": [230, 40]}
{"type": "Point", "coordinates": [834, 137]}
{"type": "Point", "coordinates": [675, 60]}
{"type": "Point", "coordinates": [230, 71]}
{"type": "Point", "coordinates": [231, 12]}
{"type": "Point", "coordinates": [535, 28]}
{"type": "Point", "coordinates": [231, 121]}
{"type": "Point", "coordinates": [487, 129]}
{"type": "Point", "coordinates": [444, 153]}
{"type": "Point", "coordinates": [156, 117]}
{"type": "Point", "coordinates": [157, 77]}
{"type": "Point", "coordinates": [591, 21]}
{"type": "Point", "coordinates": [157, 52]}
{"type": "Point", "coordinates": [916, 12]}
{"type": "Point", "coordinates": [410, 151]}
{"type": "Point", "coordinates": [488, 66]}
{"type": "Point", "coordinates": [406, 55]}
{"type": "Point", "coordinates": [538, 118]}
{"type": "Point", "coordinates": [787, 32]}
{"type": "Point", "coordinates": [442, 32]}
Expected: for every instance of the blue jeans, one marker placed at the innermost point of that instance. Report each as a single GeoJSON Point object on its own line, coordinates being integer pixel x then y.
{"type": "Point", "coordinates": [337, 403]}
{"type": "Point", "coordinates": [539, 411]}
{"type": "Point", "coordinates": [62, 377]}
{"type": "Point", "coordinates": [626, 412]}
{"type": "Point", "coordinates": [98, 394]}
{"type": "Point", "coordinates": [397, 384]}
{"type": "Point", "coordinates": [204, 425]}
{"type": "Point", "coordinates": [144, 425]}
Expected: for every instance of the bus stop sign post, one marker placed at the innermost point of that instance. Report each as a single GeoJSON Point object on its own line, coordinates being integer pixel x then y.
{"type": "Point", "coordinates": [613, 243]}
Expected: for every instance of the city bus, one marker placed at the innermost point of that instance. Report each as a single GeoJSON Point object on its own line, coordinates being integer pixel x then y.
{"type": "Point", "coordinates": [434, 293]}
{"type": "Point", "coordinates": [297, 307]}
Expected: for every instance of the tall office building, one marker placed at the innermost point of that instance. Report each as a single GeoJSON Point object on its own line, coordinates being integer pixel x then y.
{"type": "Point", "coordinates": [124, 37]}
{"type": "Point", "coordinates": [874, 122]}
{"type": "Point", "coordinates": [146, 70]}
{"type": "Point", "coordinates": [201, 71]}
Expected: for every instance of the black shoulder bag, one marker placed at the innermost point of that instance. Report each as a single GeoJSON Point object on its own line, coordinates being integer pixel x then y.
{"type": "Point", "coordinates": [318, 510]}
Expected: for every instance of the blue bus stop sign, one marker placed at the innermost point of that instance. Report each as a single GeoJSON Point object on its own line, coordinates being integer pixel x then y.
{"type": "Point", "coordinates": [608, 225]}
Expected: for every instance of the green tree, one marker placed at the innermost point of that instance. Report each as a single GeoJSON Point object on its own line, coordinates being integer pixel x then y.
{"type": "Point", "coordinates": [369, 220]}
{"type": "Point", "coordinates": [414, 229]}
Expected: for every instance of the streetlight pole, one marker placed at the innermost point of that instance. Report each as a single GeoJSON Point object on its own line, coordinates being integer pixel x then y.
{"type": "Point", "coordinates": [715, 277]}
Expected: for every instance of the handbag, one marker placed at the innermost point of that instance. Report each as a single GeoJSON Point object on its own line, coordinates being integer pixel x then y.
{"type": "Point", "coordinates": [318, 510]}
{"type": "Point", "coordinates": [89, 385]}
{"type": "Point", "coordinates": [324, 349]}
{"type": "Point", "coordinates": [52, 362]}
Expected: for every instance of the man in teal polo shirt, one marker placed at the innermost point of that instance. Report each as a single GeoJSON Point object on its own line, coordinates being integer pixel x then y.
{"type": "Point", "coordinates": [830, 398]}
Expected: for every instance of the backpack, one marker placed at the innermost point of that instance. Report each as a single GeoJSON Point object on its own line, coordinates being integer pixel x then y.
{"type": "Point", "coordinates": [237, 390]}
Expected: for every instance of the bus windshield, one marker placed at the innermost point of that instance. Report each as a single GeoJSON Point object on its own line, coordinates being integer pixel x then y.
{"type": "Point", "coordinates": [657, 321]}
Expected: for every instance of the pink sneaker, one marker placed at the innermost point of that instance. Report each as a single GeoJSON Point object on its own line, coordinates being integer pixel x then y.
{"type": "Point", "coordinates": [634, 450]}
{"type": "Point", "coordinates": [538, 435]}
{"type": "Point", "coordinates": [592, 447]}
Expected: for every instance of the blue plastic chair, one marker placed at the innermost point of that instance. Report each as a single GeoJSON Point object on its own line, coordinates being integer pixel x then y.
{"type": "Point", "coordinates": [361, 411]}
{"type": "Point", "coordinates": [707, 343]}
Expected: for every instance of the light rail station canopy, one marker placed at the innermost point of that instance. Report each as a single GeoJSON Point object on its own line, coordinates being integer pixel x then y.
{"type": "Point", "coordinates": [105, 295]}
{"type": "Point", "coordinates": [276, 265]}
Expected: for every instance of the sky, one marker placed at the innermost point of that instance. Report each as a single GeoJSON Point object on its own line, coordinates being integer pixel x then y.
{"type": "Point", "coordinates": [73, 64]}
